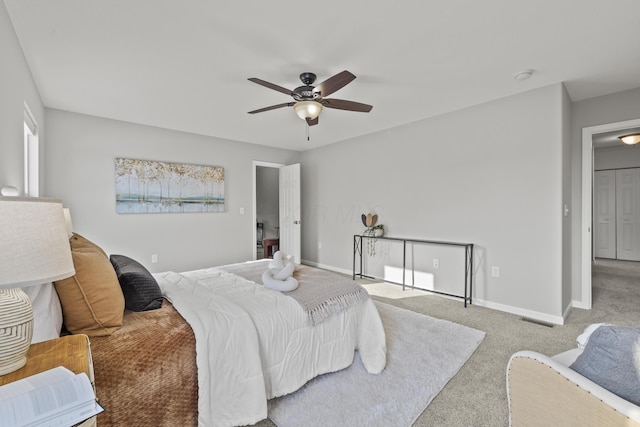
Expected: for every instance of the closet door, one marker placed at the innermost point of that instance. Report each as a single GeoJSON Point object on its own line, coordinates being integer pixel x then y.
{"type": "Point", "coordinates": [604, 214]}
{"type": "Point", "coordinates": [628, 214]}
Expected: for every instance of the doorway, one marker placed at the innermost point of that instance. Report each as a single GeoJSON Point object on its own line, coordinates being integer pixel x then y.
{"type": "Point", "coordinates": [266, 204]}
{"type": "Point", "coordinates": [289, 233]}
{"type": "Point", "coordinates": [586, 234]}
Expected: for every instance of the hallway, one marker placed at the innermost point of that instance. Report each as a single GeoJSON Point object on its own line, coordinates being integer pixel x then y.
{"type": "Point", "coordinates": [616, 294]}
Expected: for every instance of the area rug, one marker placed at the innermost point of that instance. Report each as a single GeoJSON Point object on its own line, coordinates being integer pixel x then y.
{"type": "Point", "coordinates": [423, 354]}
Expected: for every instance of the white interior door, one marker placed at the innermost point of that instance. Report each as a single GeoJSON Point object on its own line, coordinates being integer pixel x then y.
{"type": "Point", "coordinates": [628, 214]}
{"type": "Point", "coordinates": [604, 214]}
{"type": "Point", "coordinates": [290, 226]}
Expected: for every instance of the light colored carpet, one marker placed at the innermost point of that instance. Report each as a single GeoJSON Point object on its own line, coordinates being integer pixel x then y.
{"type": "Point", "coordinates": [477, 396]}
{"type": "Point", "coordinates": [423, 354]}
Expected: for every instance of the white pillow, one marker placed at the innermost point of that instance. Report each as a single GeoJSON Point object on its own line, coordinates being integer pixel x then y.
{"type": "Point", "coordinates": [47, 312]}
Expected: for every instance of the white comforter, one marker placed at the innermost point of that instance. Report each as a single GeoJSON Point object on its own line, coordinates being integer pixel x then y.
{"type": "Point", "coordinates": [254, 343]}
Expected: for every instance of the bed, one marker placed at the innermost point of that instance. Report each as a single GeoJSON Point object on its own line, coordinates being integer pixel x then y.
{"type": "Point", "coordinates": [218, 344]}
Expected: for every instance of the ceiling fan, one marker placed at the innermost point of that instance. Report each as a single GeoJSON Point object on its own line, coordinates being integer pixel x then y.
{"type": "Point", "coordinates": [309, 100]}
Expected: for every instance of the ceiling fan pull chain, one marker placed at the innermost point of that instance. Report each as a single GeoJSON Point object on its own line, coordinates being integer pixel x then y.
{"type": "Point", "coordinates": [307, 131]}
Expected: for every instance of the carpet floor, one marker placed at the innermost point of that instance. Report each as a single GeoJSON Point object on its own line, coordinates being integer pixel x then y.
{"type": "Point", "coordinates": [423, 354]}
{"type": "Point", "coordinates": [476, 396]}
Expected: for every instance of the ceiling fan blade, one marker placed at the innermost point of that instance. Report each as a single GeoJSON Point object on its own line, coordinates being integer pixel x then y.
{"type": "Point", "coordinates": [312, 122]}
{"type": "Point", "coordinates": [273, 107]}
{"type": "Point", "coordinates": [341, 104]}
{"type": "Point", "coordinates": [270, 85]}
{"type": "Point", "coordinates": [334, 83]}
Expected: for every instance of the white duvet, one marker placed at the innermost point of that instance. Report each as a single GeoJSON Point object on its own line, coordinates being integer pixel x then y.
{"type": "Point", "coordinates": [254, 343]}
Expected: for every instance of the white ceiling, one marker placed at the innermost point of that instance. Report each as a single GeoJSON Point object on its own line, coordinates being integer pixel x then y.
{"type": "Point", "coordinates": [184, 65]}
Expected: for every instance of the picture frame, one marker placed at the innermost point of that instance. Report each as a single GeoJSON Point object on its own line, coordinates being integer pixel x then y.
{"type": "Point", "coordinates": [147, 186]}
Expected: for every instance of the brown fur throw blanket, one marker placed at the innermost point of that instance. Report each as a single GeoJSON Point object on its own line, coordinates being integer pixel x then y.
{"type": "Point", "coordinates": [145, 373]}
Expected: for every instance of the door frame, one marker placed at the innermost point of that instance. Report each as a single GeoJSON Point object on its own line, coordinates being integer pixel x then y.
{"type": "Point", "coordinates": [586, 258]}
{"type": "Point", "coordinates": [257, 163]}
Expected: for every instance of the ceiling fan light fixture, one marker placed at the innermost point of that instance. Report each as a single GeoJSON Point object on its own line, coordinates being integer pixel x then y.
{"type": "Point", "coordinates": [630, 139]}
{"type": "Point", "coordinates": [307, 109]}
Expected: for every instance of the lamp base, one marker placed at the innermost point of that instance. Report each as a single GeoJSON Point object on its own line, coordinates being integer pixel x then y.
{"type": "Point", "coordinates": [10, 367]}
{"type": "Point", "coordinates": [16, 329]}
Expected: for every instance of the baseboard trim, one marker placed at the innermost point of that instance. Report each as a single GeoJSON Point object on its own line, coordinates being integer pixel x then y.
{"type": "Point", "coordinates": [579, 304]}
{"type": "Point", "coordinates": [327, 267]}
{"type": "Point", "coordinates": [544, 317]}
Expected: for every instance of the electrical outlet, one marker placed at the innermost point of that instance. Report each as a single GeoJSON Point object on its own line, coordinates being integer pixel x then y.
{"type": "Point", "coordinates": [241, 211]}
{"type": "Point", "coordinates": [319, 245]}
{"type": "Point", "coordinates": [154, 258]}
{"type": "Point", "coordinates": [436, 263]}
{"type": "Point", "coordinates": [495, 271]}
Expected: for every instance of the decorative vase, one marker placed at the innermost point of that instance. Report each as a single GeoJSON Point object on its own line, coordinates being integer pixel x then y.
{"type": "Point", "coordinates": [16, 329]}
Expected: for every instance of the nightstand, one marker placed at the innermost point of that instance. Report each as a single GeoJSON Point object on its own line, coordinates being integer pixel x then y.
{"type": "Point", "coordinates": [71, 351]}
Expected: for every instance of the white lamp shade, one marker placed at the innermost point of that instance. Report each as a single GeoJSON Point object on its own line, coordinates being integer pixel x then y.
{"type": "Point", "coordinates": [307, 109]}
{"type": "Point", "coordinates": [34, 245]}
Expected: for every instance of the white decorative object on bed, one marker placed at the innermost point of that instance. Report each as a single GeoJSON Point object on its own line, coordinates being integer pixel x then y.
{"type": "Point", "coordinates": [279, 275]}
{"type": "Point", "coordinates": [254, 343]}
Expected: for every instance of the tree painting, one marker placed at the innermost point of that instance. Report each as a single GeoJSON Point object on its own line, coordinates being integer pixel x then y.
{"type": "Point", "coordinates": [144, 186]}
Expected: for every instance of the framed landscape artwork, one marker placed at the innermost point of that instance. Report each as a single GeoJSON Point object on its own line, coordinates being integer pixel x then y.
{"type": "Point", "coordinates": [144, 186]}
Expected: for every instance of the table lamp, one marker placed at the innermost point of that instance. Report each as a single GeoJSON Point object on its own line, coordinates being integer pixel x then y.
{"type": "Point", "coordinates": [34, 249]}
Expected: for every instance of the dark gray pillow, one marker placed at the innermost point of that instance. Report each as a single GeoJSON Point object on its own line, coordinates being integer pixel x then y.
{"type": "Point", "coordinates": [140, 289]}
{"type": "Point", "coordinates": [611, 359]}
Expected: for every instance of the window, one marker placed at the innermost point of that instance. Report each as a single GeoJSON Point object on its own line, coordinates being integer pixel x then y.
{"type": "Point", "coordinates": [31, 155]}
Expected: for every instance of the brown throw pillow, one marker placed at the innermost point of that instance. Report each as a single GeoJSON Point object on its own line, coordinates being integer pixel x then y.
{"type": "Point", "coordinates": [92, 300]}
{"type": "Point", "coordinates": [79, 243]}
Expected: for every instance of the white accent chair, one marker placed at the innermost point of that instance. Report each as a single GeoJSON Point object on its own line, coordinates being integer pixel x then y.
{"type": "Point", "coordinates": [543, 391]}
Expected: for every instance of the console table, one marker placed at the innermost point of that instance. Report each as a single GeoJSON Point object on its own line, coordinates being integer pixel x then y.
{"type": "Point", "coordinates": [358, 240]}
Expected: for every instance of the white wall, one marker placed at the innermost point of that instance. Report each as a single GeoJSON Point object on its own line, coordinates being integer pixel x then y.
{"type": "Point", "coordinates": [80, 171]}
{"type": "Point", "coordinates": [489, 174]}
{"type": "Point", "coordinates": [620, 157]}
{"type": "Point", "coordinates": [16, 88]}
{"type": "Point", "coordinates": [612, 108]}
